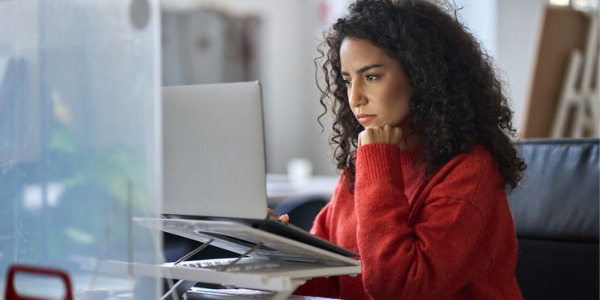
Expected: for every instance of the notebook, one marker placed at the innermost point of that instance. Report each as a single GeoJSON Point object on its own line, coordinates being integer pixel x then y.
{"type": "Point", "coordinates": [214, 177]}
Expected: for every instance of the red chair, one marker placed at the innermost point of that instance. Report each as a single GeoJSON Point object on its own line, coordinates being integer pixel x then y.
{"type": "Point", "coordinates": [11, 292]}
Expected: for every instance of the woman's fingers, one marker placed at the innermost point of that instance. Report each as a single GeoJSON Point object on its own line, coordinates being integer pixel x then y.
{"type": "Point", "coordinates": [284, 218]}
{"type": "Point", "coordinates": [380, 134]}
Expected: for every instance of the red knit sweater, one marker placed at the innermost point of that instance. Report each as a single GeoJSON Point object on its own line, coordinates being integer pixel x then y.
{"type": "Point", "coordinates": [450, 238]}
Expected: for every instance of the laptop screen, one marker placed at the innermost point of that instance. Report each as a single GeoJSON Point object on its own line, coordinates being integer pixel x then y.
{"type": "Point", "coordinates": [213, 151]}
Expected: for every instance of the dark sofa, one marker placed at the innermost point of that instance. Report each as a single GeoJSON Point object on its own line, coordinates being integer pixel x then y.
{"type": "Point", "coordinates": [556, 217]}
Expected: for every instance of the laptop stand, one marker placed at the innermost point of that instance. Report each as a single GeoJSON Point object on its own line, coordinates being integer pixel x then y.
{"type": "Point", "coordinates": [273, 265]}
{"type": "Point", "coordinates": [282, 288]}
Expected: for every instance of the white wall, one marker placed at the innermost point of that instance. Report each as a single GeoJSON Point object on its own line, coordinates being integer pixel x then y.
{"type": "Point", "coordinates": [481, 19]}
{"type": "Point", "coordinates": [518, 31]}
{"type": "Point", "coordinates": [509, 31]}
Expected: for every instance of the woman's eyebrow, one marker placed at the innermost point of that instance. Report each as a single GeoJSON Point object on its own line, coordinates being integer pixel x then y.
{"type": "Point", "coordinates": [363, 69]}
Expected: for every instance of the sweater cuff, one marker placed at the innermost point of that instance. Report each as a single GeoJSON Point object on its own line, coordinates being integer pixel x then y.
{"type": "Point", "coordinates": [379, 162]}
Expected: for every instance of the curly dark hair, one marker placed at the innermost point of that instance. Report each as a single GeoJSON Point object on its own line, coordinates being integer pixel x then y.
{"type": "Point", "coordinates": [457, 101]}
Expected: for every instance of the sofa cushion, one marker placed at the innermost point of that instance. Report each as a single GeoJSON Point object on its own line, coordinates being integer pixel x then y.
{"type": "Point", "coordinates": [558, 198]}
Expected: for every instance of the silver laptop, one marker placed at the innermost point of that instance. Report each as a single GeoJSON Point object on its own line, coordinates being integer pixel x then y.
{"type": "Point", "coordinates": [213, 151]}
{"type": "Point", "coordinates": [214, 176]}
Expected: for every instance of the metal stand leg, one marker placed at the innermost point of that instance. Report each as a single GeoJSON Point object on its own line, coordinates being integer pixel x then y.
{"type": "Point", "coordinates": [183, 285]}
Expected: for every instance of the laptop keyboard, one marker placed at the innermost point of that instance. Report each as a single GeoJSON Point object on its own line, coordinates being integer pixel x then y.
{"type": "Point", "coordinates": [225, 265]}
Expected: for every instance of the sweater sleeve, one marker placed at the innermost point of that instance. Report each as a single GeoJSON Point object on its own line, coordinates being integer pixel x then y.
{"type": "Point", "coordinates": [438, 254]}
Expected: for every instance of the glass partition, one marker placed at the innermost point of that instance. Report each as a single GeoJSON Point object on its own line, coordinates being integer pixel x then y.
{"type": "Point", "coordinates": [79, 136]}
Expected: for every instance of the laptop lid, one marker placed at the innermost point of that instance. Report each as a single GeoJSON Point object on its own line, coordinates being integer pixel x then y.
{"type": "Point", "coordinates": [213, 151]}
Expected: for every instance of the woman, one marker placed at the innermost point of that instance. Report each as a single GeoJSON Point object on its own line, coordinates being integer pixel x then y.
{"type": "Point", "coordinates": [422, 136]}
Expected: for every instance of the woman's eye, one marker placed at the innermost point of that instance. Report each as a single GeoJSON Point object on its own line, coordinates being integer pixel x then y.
{"type": "Point", "coordinates": [372, 77]}
{"type": "Point", "coordinates": [347, 81]}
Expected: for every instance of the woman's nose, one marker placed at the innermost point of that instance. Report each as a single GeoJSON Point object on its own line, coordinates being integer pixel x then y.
{"type": "Point", "coordinates": [356, 95]}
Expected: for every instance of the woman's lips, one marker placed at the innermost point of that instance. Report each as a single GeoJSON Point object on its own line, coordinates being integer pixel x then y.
{"type": "Point", "coordinates": [364, 118]}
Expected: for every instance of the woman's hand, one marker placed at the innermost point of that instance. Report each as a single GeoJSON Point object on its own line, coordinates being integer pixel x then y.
{"type": "Point", "coordinates": [380, 134]}
{"type": "Point", "coordinates": [283, 218]}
